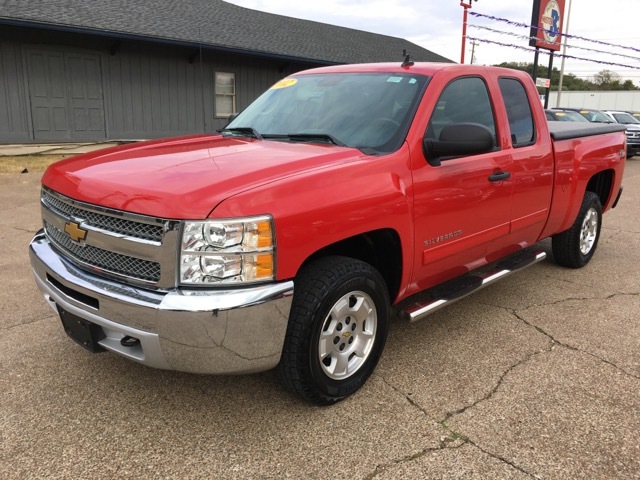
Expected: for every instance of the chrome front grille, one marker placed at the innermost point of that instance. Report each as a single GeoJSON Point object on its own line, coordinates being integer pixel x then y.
{"type": "Point", "coordinates": [104, 260]}
{"type": "Point", "coordinates": [136, 249]}
{"type": "Point", "coordinates": [101, 220]}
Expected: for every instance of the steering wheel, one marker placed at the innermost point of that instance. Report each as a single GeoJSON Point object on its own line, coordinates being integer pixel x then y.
{"type": "Point", "coordinates": [383, 122]}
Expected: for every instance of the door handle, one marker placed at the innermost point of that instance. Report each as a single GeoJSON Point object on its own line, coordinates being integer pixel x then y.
{"type": "Point", "coordinates": [499, 176]}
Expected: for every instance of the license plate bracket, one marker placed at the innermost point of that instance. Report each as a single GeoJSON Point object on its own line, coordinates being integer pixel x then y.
{"type": "Point", "coordinates": [81, 331]}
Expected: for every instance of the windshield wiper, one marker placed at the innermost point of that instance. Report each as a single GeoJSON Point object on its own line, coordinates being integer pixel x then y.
{"type": "Point", "coordinates": [246, 130]}
{"type": "Point", "coordinates": [315, 136]}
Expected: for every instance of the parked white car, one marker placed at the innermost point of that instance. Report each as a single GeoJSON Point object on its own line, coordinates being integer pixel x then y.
{"type": "Point", "coordinates": [633, 129]}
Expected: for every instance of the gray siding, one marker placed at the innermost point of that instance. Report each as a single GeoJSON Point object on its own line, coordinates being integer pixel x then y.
{"type": "Point", "coordinates": [13, 115]}
{"type": "Point", "coordinates": [152, 96]}
{"type": "Point", "coordinates": [116, 89]}
{"type": "Point", "coordinates": [253, 80]}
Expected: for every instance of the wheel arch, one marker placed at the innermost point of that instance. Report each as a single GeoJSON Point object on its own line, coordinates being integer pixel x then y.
{"type": "Point", "coordinates": [382, 249]}
{"type": "Point", "coordinates": [602, 184]}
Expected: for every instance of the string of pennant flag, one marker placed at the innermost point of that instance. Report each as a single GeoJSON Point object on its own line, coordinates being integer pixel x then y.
{"type": "Point", "coordinates": [544, 51]}
{"type": "Point", "coordinates": [527, 37]}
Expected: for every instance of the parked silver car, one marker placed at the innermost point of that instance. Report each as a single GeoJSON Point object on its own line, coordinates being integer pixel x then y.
{"type": "Point", "coordinates": [609, 116]}
{"type": "Point", "coordinates": [633, 129]}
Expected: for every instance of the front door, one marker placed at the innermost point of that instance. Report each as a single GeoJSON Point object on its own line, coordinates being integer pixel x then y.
{"type": "Point", "coordinates": [461, 215]}
{"type": "Point", "coordinates": [48, 95]}
{"type": "Point", "coordinates": [65, 91]}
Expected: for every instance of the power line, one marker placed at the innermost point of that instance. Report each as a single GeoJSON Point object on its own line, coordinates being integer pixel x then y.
{"type": "Point", "coordinates": [526, 37]}
{"type": "Point", "coordinates": [545, 52]}
{"type": "Point", "coordinates": [564, 55]}
{"type": "Point", "coordinates": [577, 37]}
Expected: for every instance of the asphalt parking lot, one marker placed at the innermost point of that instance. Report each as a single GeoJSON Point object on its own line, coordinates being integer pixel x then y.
{"type": "Point", "coordinates": [537, 376]}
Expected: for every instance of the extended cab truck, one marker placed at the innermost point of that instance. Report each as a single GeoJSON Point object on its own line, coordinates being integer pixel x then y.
{"type": "Point", "coordinates": [285, 240]}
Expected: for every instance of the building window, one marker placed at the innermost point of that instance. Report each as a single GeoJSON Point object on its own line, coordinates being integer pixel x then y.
{"type": "Point", "coordinates": [225, 94]}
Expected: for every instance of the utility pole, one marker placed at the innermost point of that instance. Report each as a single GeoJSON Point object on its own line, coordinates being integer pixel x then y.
{"type": "Point", "coordinates": [564, 53]}
{"type": "Point", "coordinates": [473, 51]}
{"type": "Point", "coordinates": [466, 7]}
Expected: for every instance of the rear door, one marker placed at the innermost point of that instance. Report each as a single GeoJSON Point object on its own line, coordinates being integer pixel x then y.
{"type": "Point", "coordinates": [462, 216]}
{"type": "Point", "coordinates": [532, 166]}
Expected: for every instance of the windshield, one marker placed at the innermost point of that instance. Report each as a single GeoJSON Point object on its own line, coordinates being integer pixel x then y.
{"type": "Point", "coordinates": [368, 111]}
{"type": "Point", "coordinates": [625, 118]}
{"type": "Point", "coordinates": [596, 116]}
{"type": "Point", "coordinates": [569, 116]}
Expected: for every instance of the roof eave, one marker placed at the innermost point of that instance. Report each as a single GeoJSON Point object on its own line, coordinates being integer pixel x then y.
{"type": "Point", "coordinates": [164, 41]}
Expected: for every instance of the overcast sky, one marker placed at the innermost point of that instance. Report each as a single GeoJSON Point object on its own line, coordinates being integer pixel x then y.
{"type": "Point", "coordinates": [437, 26]}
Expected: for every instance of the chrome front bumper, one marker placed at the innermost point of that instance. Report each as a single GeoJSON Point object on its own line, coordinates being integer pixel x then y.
{"type": "Point", "coordinates": [199, 331]}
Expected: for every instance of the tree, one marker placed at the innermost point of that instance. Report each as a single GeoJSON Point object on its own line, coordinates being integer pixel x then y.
{"type": "Point", "coordinates": [603, 80]}
{"type": "Point", "coordinates": [606, 78]}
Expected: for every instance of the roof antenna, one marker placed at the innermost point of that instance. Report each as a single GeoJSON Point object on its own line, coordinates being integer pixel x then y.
{"type": "Point", "coordinates": [407, 60]}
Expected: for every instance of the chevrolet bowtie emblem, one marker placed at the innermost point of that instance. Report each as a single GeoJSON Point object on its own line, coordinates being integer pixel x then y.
{"type": "Point", "coordinates": [74, 231]}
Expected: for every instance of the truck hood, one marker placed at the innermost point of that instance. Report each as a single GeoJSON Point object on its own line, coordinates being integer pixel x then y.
{"type": "Point", "coordinates": [184, 178]}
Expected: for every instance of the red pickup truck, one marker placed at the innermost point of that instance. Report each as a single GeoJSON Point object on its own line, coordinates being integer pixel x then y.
{"type": "Point", "coordinates": [285, 240]}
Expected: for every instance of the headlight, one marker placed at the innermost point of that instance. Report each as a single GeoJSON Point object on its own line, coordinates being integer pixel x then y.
{"type": "Point", "coordinates": [227, 251]}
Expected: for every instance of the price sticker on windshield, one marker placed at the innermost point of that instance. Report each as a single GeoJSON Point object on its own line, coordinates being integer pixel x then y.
{"type": "Point", "coordinates": [284, 83]}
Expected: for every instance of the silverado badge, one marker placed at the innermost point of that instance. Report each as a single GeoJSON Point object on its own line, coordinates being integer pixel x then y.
{"type": "Point", "coordinates": [74, 231]}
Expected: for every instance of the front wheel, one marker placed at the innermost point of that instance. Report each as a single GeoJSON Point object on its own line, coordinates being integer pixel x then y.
{"type": "Point", "coordinates": [575, 247]}
{"type": "Point", "coordinates": [337, 329]}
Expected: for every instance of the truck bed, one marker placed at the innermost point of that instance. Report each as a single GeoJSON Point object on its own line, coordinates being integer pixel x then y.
{"type": "Point", "coordinates": [568, 130]}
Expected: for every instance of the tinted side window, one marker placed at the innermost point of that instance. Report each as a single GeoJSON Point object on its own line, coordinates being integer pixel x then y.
{"type": "Point", "coordinates": [465, 100]}
{"type": "Point", "coordinates": [518, 111]}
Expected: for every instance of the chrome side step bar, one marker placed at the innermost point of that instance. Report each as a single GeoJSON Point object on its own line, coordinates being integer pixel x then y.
{"type": "Point", "coordinates": [438, 297]}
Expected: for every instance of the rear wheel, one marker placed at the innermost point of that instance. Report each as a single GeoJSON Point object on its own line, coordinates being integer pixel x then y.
{"type": "Point", "coordinates": [337, 329]}
{"type": "Point", "coordinates": [575, 247]}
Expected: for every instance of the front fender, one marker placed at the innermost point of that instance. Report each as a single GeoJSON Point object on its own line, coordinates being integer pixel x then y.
{"type": "Point", "coordinates": [315, 209]}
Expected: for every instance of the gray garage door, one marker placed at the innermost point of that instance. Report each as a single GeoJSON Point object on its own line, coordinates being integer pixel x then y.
{"type": "Point", "coordinates": [65, 91]}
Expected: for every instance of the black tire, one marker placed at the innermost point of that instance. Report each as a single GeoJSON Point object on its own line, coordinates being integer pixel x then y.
{"type": "Point", "coordinates": [575, 247]}
{"type": "Point", "coordinates": [340, 308]}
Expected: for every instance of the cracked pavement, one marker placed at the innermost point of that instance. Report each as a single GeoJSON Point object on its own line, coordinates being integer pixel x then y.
{"type": "Point", "coordinates": [537, 376]}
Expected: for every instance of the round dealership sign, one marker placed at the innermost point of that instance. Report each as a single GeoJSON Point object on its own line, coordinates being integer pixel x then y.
{"type": "Point", "coordinates": [551, 21]}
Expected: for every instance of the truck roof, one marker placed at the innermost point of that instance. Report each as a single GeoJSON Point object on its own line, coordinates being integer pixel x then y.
{"type": "Point", "coordinates": [422, 68]}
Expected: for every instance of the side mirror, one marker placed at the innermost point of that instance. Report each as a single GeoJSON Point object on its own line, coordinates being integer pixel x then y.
{"type": "Point", "coordinates": [457, 140]}
{"type": "Point", "coordinates": [232, 117]}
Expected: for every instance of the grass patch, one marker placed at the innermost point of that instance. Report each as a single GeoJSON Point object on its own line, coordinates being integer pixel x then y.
{"type": "Point", "coordinates": [33, 163]}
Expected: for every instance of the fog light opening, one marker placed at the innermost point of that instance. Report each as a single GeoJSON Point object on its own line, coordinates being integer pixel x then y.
{"type": "Point", "coordinates": [128, 341]}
